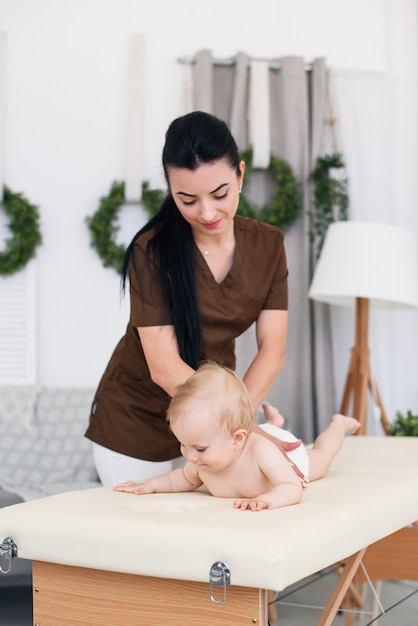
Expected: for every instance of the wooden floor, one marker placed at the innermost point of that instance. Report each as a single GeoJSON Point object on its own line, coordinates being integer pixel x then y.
{"type": "Point", "coordinates": [16, 604]}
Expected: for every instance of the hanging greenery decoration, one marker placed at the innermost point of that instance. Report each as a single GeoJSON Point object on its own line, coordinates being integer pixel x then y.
{"type": "Point", "coordinates": [26, 235]}
{"type": "Point", "coordinates": [152, 199]}
{"type": "Point", "coordinates": [330, 197]}
{"type": "Point", "coordinates": [284, 206]}
{"type": "Point", "coordinates": [103, 224]}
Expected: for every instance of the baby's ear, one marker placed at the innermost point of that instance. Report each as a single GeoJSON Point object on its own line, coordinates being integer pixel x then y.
{"type": "Point", "coordinates": [239, 437]}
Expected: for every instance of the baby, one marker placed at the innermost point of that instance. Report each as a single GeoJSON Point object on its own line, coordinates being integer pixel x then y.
{"type": "Point", "coordinates": [211, 417]}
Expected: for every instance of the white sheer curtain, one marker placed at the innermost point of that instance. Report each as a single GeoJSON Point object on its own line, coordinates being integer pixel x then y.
{"type": "Point", "coordinates": [298, 109]}
{"type": "Point", "coordinates": [365, 104]}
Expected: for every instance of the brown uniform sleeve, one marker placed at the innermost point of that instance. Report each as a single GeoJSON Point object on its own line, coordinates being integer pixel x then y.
{"type": "Point", "coordinates": [277, 297]}
{"type": "Point", "coordinates": [147, 307]}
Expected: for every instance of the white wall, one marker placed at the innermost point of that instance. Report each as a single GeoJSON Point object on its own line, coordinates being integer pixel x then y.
{"type": "Point", "coordinates": [67, 64]}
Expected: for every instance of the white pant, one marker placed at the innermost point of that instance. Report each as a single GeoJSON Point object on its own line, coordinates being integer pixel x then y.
{"type": "Point", "coordinates": [114, 468]}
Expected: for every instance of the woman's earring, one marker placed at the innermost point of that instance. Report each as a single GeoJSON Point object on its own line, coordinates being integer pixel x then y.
{"type": "Point", "coordinates": [240, 189]}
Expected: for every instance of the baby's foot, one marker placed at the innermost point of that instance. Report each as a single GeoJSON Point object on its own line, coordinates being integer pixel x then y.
{"type": "Point", "coordinates": [272, 415]}
{"type": "Point", "coordinates": [351, 425]}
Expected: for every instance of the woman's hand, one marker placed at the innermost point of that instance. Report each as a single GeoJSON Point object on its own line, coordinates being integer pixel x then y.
{"type": "Point", "coordinates": [287, 446]}
{"type": "Point", "coordinates": [284, 446]}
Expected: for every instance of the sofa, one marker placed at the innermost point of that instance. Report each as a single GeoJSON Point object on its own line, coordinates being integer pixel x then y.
{"type": "Point", "coordinates": [43, 450]}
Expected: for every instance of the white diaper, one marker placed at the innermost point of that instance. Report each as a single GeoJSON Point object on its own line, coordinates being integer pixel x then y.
{"type": "Point", "coordinates": [299, 456]}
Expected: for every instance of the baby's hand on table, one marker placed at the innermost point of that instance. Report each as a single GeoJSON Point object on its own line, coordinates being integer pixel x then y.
{"type": "Point", "coordinates": [137, 488]}
{"type": "Point", "coordinates": [252, 505]}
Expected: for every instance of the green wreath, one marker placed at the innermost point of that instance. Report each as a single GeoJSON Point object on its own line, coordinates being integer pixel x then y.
{"type": "Point", "coordinates": [103, 224]}
{"type": "Point", "coordinates": [24, 225]}
{"type": "Point", "coordinates": [330, 197]}
{"type": "Point", "coordinates": [286, 203]}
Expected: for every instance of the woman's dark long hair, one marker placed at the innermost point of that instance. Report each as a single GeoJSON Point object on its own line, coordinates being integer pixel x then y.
{"type": "Point", "coordinates": [190, 141]}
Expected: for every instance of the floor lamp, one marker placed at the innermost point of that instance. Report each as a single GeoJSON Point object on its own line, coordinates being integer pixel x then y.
{"type": "Point", "coordinates": [365, 264]}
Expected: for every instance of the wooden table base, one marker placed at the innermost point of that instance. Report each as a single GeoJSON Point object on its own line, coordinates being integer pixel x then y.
{"type": "Point", "coordinates": [74, 596]}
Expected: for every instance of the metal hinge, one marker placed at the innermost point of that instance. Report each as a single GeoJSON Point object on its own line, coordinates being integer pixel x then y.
{"type": "Point", "coordinates": [219, 576]}
{"type": "Point", "coordinates": [8, 551]}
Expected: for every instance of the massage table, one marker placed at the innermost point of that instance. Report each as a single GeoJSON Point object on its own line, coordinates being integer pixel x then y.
{"type": "Point", "coordinates": [102, 558]}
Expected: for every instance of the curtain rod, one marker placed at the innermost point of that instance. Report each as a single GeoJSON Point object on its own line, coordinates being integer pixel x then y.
{"type": "Point", "coordinates": [231, 62]}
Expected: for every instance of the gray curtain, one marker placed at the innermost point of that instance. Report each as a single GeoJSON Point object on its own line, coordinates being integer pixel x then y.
{"type": "Point", "coordinates": [304, 389]}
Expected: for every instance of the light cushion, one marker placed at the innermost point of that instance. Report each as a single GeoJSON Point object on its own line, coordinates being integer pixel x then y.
{"type": "Point", "coordinates": [51, 454]}
{"type": "Point", "coordinates": [17, 403]}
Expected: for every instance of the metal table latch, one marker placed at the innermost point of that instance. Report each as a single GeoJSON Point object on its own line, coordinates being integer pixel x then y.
{"type": "Point", "coordinates": [8, 551]}
{"type": "Point", "coordinates": [219, 576]}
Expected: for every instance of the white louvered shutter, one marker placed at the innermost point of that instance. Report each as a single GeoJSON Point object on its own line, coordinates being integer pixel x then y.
{"type": "Point", "coordinates": [17, 322]}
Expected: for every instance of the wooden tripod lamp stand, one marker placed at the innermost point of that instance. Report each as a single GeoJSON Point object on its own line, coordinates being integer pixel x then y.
{"type": "Point", "coordinates": [363, 263]}
{"type": "Point", "coordinates": [359, 379]}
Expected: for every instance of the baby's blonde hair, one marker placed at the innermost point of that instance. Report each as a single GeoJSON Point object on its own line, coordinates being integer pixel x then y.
{"type": "Point", "coordinates": [221, 390]}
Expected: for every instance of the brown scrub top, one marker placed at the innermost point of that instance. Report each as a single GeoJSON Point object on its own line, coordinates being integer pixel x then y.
{"type": "Point", "coordinates": [129, 410]}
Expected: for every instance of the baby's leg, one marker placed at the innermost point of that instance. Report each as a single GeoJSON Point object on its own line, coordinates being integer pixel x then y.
{"type": "Point", "coordinates": [272, 415]}
{"type": "Point", "coordinates": [328, 443]}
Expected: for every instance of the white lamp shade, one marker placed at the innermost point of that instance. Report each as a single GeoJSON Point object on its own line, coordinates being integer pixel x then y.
{"type": "Point", "coordinates": [367, 260]}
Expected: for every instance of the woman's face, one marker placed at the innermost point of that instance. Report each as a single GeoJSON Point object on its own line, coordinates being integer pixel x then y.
{"type": "Point", "coordinates": [207, 197]}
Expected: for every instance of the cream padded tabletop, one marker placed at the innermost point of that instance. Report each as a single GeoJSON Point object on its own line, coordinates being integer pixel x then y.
{"type": "Point", "coordinates": [370, 492]}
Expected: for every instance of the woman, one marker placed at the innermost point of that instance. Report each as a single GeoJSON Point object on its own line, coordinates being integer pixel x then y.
{"type": "Point", "coordinates": [199, 276]}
